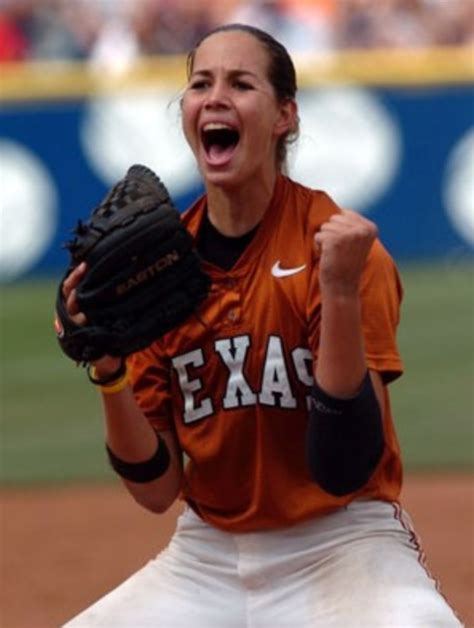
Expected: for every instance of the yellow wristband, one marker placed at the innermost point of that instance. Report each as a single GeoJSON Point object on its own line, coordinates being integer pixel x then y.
{"type": "Point", "coordinates": [116, 386]}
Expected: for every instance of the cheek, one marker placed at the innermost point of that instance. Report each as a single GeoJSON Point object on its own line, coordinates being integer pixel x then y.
{"type": "Point", "coordinates": [188, 121]}
{"type": "Point", "coordinates": [262, 136]}
{"type": "Point", "coordinates": [262, 127]}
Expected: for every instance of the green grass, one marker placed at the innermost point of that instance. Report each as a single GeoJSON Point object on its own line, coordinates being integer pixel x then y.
{"type": "Point", "coordinates": [51, 428]}
{"type": "Point", "coordinates": [434, 401]}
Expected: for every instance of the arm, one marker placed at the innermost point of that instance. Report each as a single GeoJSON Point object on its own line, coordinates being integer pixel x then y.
{"type": "Point", "coordinates": [128, 433]}
{"type": "Point", "coordinates": [132, 439]}
{"type": "Point", "coordinates": [345, 429]}
{"type": "Point", "coordinates": [343, 244]}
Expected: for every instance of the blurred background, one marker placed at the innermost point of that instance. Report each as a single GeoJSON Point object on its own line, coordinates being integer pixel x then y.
{"type": "Point", "coordinates": [386, 99]}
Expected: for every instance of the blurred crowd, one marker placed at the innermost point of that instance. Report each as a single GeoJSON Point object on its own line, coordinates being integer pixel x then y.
{"type": "Point", "coordinates": [121, 30]}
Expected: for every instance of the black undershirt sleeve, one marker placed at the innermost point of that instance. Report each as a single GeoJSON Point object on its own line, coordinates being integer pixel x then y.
{"type": "Point", "coordinates": [344, 439]}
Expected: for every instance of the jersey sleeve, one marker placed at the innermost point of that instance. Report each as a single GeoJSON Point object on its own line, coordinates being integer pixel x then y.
{"type": "Point", "coordinates": [149, 375]}
{"type": "Point", "coordinates": [381, 296]}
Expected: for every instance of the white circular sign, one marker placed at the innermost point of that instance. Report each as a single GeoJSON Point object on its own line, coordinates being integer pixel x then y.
{"type": "Point", "coordinates": [349, 145]}
{"type": "Point", "coordinates": [119, 131]}
{"type": "Point", "coordinates": [28, 209]}
{"type": "Point", "coordinates": [458, 187]}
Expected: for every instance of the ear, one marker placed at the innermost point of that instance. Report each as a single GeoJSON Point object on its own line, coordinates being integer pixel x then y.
{"type": "Point", "coordinates": [287, 119]}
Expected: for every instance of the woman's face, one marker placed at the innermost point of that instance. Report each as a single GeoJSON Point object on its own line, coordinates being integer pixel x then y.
{"type": "Point", "coordinates": [231, 117]}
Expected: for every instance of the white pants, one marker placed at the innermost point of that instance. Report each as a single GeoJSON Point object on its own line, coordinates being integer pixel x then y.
{"type": "Point", "coordinates": [359, 567]}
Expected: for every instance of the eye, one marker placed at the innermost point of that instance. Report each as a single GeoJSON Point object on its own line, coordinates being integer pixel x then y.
{"type": "Point", "coordinates": [199, 85]}
{"type": "Point", "coordinates": [242, 86]}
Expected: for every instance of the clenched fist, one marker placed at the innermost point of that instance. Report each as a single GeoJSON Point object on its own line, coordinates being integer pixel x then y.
{"type": "Point", "coordinates": [342, 245]}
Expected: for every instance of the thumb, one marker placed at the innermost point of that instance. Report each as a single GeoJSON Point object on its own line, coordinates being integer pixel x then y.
{"type": "Point", "coordinates": [317, 245]}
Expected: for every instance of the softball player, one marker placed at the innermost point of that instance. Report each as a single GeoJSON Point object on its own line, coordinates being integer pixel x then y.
{"type": "Point", "coordinates": [276, 391]}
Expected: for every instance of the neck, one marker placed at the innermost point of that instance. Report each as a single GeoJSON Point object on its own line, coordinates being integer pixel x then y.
{"type": "Point", "coordinates": [234, 211]}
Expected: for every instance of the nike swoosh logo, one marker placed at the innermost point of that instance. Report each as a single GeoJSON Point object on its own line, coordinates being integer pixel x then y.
{"type": "Point", "coordinates": [277, 271]}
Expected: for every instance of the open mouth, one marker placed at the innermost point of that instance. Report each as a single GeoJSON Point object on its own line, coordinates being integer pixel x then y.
{"type": "Point", "coordinates": [219, 141]}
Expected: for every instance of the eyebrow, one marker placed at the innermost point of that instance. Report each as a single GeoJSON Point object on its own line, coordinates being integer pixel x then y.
{"type": "Point", "coordinates": [231, 73]}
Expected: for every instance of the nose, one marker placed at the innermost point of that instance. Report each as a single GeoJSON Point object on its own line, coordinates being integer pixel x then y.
{"type": "Point", "coordinates": [217, 96]}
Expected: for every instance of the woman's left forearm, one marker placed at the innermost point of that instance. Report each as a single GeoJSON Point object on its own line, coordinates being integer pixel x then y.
{"type": "Point", "coordinates": [341, 364]}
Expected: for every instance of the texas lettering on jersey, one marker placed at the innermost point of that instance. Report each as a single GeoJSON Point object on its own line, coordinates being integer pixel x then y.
{"type": "Point", "coordinates": [276, 389]}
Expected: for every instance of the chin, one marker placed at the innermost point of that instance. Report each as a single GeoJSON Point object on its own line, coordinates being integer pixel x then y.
{"type": "Point", "coordinates": [225, 178]}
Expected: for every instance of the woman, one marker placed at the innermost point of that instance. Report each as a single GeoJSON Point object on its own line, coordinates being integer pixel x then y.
{"type": "Point", "coordinates": [277, 391]}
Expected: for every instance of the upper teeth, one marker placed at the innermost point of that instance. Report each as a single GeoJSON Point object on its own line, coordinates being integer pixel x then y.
{"type": "Point", "coordinates": [214, 126]}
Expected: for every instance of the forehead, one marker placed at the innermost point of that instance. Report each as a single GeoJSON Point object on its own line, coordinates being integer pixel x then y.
{"type": "Point", "coordinates": [232, 50]}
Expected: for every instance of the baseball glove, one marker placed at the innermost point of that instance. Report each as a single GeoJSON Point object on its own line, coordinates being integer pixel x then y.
{"type": "Point", "coordinates": [143, 276]}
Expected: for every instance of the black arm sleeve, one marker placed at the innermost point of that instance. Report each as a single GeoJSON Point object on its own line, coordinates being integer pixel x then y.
{"type": "Point", "coordinates": [344, 440]}
{"type": "Point", "coordinates": [146, 471]}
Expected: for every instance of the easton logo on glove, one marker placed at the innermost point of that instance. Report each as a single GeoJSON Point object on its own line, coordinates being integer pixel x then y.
{"type": "Point", "coordinates": [143, 277]}
{"type": "Point", "coordinates": [148, 273]}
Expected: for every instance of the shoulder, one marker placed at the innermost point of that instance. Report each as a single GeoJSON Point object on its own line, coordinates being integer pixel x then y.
{"type": "Point", "coordinates": [192, 217]}
{"type": "Point", "coordinates": [313, 205]}
{"type": "Point", "coordinates": [382, 270]}
{"type": "Point", "coordinates": [310, 197]}
{"type": "Point", "coordinates": [379, 256]}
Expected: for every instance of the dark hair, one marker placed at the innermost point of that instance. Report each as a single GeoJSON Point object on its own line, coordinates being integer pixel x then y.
{"type": "Point", "coordinates": [281, 73]}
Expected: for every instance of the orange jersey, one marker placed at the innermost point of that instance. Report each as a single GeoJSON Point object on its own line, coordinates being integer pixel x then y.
{"type": "Point", "coordinates": [234, 380]}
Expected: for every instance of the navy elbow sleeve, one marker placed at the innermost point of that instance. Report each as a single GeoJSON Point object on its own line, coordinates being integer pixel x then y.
{"type": "Point", "coordinates": [344, 439]}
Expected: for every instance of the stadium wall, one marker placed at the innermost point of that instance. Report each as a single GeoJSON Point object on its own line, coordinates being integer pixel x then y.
{"type": "Point", "coordinates": [389, 134]}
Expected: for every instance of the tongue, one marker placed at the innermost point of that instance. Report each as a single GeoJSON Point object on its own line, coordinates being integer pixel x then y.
{"type": "Point", "coordinates": [219, 155]}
